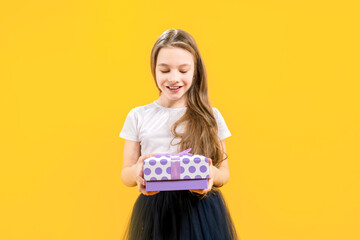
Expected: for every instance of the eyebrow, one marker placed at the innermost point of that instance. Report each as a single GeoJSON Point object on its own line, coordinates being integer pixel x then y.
{"type": "Point", "coordinates": [164, 64]}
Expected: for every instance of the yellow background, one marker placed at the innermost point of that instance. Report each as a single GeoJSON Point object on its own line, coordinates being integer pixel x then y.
{"type": "Point", "coordinates": [284, 74]}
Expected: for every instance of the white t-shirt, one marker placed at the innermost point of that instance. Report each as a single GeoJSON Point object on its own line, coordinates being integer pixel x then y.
{"type": "Point", "coordinates": [151, 126]}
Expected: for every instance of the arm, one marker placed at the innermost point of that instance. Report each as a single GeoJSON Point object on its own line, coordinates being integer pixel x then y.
{"type": "Point", "coordinates": [130, 167]}
{"type": "Point", "coordinates": [132, 172]}
{"type": "Point", "coordinates": [221, 174]}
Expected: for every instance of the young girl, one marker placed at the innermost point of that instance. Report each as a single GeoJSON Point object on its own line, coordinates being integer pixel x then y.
{"type": "Point", "coordinates": [181, 118]}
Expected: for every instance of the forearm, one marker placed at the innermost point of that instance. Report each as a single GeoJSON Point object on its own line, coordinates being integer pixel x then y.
{"type": "Point", "coordinates": [220, 176]}
{"type": "Point", "coordinates": [128, 175]}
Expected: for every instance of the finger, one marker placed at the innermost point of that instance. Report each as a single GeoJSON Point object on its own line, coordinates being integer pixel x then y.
{"type": "Point", "coordinates": [140, 180]}
{"type": "Point", "coordinates": [209, 186]}
{"type": "Point", "coordinates": [197, 191]}
{"type": "Point", "coordinates": [193, 190]}
{"type": "Point", "coordinates": [211, 182]}
{"type": "Point", "coordinates": [142, 171]}
{"type": "Point", "coordinates": [139, 187]}
{"type": "Point", "coordinates": [142, 189]}
{"type": "Point", "coordinates": [143, 157]}
{"type": "Point", "coordinates": [138, 184]}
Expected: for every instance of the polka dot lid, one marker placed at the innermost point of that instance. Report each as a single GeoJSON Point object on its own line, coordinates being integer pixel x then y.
{"type": "Point", "coordinates": [176, 166]}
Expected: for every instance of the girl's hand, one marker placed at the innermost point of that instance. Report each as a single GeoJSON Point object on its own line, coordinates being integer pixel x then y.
{"type": "Point", "coordinates": [210, 181]}
{"type": "Point", "coordinates": [140, 177]}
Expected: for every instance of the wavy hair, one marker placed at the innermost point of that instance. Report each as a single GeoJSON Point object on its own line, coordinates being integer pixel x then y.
{"type": "Point", "coordinates": [201, 130]}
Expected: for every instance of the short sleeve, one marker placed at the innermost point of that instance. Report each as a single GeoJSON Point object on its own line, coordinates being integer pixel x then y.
{"type": "Point", "coordinates": [223, 130]}
{"type": "Point", "coordinates": [130, 128]}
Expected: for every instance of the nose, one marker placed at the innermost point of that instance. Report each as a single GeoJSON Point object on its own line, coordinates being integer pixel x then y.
{"type": "Point", "coordinates": [174, 77]}
{"type": "Point", "coordinates": [173, 80]}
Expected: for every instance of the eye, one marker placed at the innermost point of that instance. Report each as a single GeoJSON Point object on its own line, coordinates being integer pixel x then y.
{"type": "Point", "coordinates": [169, 71]}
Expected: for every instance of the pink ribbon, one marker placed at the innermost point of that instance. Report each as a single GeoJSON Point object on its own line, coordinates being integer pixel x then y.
{"type": "Point", "coordinates": [175, 162]}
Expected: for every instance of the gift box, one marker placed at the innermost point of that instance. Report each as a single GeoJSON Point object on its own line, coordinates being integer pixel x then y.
{"type": "Point", "coordinates": [181, 171]}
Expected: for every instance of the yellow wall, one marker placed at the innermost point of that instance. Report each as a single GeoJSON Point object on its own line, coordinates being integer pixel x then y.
{"type": "Point", "coordinates": [284, 75]}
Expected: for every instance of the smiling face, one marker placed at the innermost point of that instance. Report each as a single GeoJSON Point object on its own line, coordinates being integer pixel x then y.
{"type": "Point", "coordinates": [174, 76]}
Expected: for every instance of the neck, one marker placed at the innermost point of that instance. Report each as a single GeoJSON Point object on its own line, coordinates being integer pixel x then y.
{"type": "Point", "coordinates": [171, 104]}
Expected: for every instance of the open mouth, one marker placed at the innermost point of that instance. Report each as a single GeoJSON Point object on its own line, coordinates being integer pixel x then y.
{"type": "Point", "coordinates": [173, 88]}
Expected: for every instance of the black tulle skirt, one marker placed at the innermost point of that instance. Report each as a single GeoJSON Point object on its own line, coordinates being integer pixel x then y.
{"type": "Point", "coordinates": [181, 215]}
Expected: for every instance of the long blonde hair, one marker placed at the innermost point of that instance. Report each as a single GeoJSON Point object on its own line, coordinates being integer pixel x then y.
{"type": "Point", "coordinates": [201, 130]}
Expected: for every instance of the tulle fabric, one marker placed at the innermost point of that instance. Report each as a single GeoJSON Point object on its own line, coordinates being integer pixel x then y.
{"type": "Point", "coordinates": [180, 215]}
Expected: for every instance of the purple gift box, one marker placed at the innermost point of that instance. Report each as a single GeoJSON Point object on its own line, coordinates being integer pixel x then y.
{"type": "Point", "coordinates": [181, 171]}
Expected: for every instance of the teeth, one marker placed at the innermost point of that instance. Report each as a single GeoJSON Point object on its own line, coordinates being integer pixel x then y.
{"type": "Point", "coordinates": [174, 87]}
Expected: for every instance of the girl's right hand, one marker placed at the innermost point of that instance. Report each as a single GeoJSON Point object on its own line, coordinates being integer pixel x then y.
{"type": "Point", "coordinates": [140, 176]}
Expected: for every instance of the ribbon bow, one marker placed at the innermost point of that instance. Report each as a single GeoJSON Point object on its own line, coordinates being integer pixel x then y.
{"type": "Point", "coordinates": [175, 165]}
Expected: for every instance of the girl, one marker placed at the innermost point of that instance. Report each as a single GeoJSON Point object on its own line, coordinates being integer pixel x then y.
{"type": "Point", "coordinates": [183, 114]}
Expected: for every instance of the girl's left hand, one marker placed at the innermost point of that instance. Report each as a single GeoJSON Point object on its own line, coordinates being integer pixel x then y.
{"type": "Point", "coordinates": [210, 181]}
